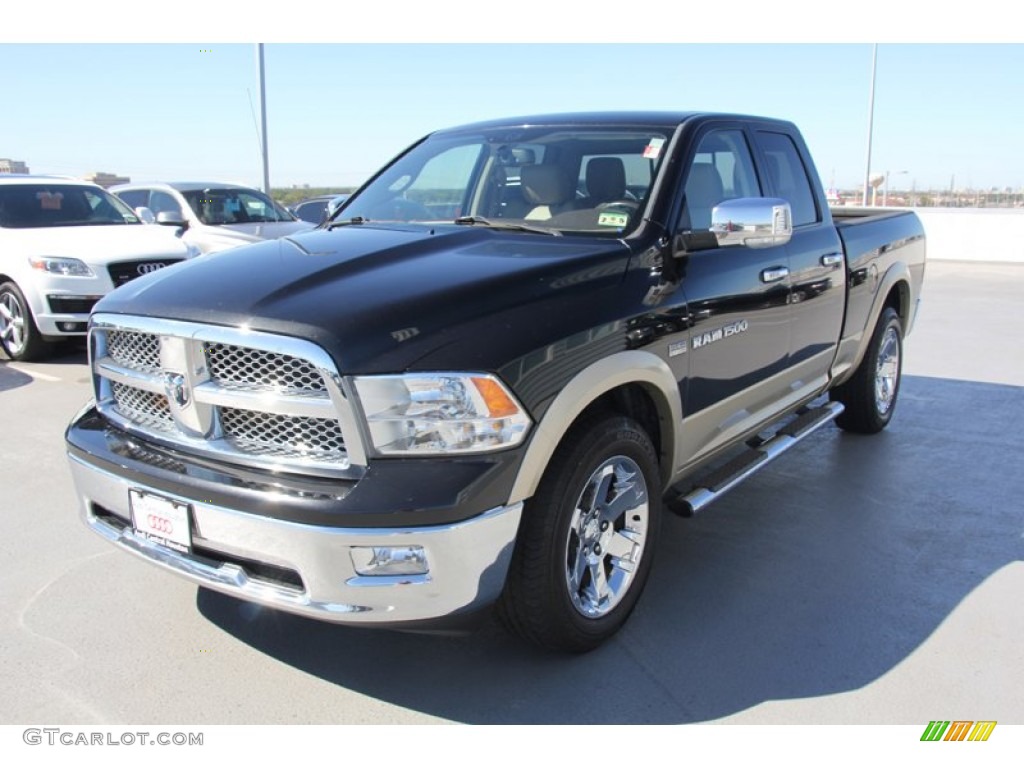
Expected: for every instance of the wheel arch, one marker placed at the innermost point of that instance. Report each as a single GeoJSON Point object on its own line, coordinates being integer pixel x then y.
{"type": "Point", "coordinates": [635, 383]}
{"type": "Point", "coordinates": [894, 290]}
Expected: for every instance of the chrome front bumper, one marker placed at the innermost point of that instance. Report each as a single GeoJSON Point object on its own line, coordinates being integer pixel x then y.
{"type": "Point", "coordinates": [242, 554]}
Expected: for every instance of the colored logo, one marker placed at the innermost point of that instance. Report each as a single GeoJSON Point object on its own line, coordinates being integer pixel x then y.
{"type": "Point", "coordinates": [958, 730]}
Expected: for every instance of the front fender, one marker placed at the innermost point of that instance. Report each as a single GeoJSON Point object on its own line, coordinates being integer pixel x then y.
{"type": "Point", "coordinates": [623, 368]}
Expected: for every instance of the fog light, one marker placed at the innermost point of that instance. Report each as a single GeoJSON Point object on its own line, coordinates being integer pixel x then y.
{"type": "Point", "coordinates": [390, 561]}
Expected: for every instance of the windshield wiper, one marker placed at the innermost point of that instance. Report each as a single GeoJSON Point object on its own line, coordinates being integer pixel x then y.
{"type": "Point", "coordinates": [482, 222]}
{"type": "Point", "coordinates": [354, 220]}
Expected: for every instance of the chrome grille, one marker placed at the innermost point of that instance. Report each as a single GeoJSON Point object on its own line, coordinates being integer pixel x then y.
{"type": "Point", "coordinates": [247, 397]}
{"type": "Point", "coordinates": [147, 409]}
{"type": "Point", "coordinates": [248, 368]}
{"type": "Point", "coordinates": [277, 435]}
{"type": "Point", "coordinates": [138, 351]}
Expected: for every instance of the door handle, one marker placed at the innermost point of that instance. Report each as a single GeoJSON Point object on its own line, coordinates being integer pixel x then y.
{"type": "Point", "coordinates": [774, 274]}
{"type": "Point", "coordinates": [831, 259]}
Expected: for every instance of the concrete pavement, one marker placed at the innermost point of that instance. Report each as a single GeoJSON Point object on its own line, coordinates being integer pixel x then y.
{"type": "Point", "coordinates": [856, 580]}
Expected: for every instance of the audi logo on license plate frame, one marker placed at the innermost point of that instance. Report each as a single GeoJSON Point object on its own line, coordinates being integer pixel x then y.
{"type": "Point", "coordinates": [163, 520]}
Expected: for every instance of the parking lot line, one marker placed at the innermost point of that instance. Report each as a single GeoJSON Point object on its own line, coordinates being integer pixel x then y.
{"type": "Point", "coordinates": [34, 374]}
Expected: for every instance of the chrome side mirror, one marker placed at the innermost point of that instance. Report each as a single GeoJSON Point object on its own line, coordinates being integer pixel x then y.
{"type": "Point", "coordinates": [145, 215]}
{"type": "Point", "coordinates": [754, 222]}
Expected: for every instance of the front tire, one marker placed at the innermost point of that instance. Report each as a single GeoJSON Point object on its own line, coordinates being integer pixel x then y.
{"type": "Point", "coordinates": [586, 542]}
{"type": "Point", "coordinates": [870, 395]}
{"type": "Point", "coordinates": [19, 335]}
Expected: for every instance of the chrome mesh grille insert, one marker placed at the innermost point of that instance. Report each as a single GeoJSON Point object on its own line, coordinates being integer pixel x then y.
{"type": "Point", "coordinates": [246, 368]}
{"type": "Point", "coordinates": [138, 351]}
{"type": "Point", "coordinates": [147, 409]}
{"type": "Point", "coordinates": [246, 397]}
{"type": "Point", "coordinates": [272, 434]}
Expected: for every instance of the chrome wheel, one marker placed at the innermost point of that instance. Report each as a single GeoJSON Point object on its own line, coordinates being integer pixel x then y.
{"type": "Point", "coordinates": [887, 371]}
{"type": "Point", "coordinates": [12, 324]}
{"type": "Point", "coordinates": [587, 537]}
{"type": "Point", "coordinates": [870, 395]}
{"type": "Point", "coordinates": [607, 536]}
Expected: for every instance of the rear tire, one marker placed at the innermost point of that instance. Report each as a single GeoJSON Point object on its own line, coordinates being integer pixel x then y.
{"type": "Point", "coordinates": [870, 395]}
{"type": "Point", "coordinates": [586, 542]}
{"type": "Point", "coordinates": [19, 336]}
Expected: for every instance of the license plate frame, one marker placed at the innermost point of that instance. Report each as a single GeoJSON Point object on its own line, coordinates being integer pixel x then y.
{"type": "Point", "coordinates": [161, 519]}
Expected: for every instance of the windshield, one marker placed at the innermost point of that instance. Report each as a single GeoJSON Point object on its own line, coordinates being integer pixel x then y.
{"type": "Point", "coordinates": [24, 206]}
{"type": "Point", "coordinates": [590, 179]}
{"type": "Point", "coordinates": [234, 206]}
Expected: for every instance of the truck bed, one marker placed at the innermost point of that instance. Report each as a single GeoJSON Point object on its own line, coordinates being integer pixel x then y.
{"type": "Point", "coordinates": [876, 242]}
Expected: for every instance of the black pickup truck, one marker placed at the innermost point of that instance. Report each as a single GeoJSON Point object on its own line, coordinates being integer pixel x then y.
{"type": "Point", "coordinates": [484, 377]}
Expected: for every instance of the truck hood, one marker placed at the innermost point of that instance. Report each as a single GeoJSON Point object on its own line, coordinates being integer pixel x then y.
{"type": "Point", "coordinates": [378, 299]}
{"type": "Point", "coordinates": [95, 245]}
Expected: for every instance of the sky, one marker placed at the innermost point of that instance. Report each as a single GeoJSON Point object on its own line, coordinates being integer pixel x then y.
{"type": "Point", "coordinates": [944, 113]}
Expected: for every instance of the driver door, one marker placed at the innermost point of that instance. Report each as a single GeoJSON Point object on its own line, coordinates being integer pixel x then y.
{"type": "Point", "coordinates": [737, 302]}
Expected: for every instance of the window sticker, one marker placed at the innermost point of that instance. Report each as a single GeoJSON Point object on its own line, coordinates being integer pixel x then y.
{"type": "Point", "coordinates": [50, 201]}
{"type": "Point", "coordinates": [612, 219]}
{"type": "Point", "coordinates": [653, 148]}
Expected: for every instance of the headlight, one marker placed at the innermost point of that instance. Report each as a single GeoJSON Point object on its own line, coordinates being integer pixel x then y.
{"type": "Point", "coordinates": [60, 265]}
{"type": "Point", "coordinates": [440, 413]}
{"type": "Point", "coordinates": [193, 251]}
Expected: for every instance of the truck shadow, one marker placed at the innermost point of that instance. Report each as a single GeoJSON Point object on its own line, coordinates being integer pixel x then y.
{"type": "Point", "coordinates": [11, 378]}
{"type": "Point", "coordinates": [72, 351]}
{"type": "Point", "coordinates": [816, 577]}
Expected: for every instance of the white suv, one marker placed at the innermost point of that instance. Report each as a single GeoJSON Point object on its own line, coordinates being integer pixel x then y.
{"type": "Point", "coordinates": [213, 216]}
{"type": "Point", "coordinates": [64, 244]}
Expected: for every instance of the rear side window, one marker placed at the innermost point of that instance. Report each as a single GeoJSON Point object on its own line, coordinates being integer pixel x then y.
{"type": "Point", "coordinates": [788, 177]}
{"type": "Point", "coordinates": [136, 198]}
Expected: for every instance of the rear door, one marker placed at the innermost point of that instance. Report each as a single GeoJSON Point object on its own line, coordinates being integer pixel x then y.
{"type": "Point", "coordinates": [817, 267]}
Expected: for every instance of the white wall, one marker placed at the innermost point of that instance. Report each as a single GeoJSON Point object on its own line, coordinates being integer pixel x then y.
{"type": "Point", "coordinates": [974, 234]}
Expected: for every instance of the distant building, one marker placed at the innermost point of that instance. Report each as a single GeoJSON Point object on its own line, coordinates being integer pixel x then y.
{"type": "Point", "coordinates": [105, 179]}
{"type": "Point", "coordinates": [12, 166]}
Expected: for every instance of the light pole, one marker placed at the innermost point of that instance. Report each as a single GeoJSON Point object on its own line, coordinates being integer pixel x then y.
{"type": "Point", "coordinates": [871, 120]}
{"type": "Point", "coordinates": [885, 189]}
{"type": "Point", "coordinates": [263, 115]}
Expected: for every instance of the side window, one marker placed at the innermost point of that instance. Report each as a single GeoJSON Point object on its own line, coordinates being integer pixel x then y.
{"type": "Point", "coordinates": [788, 177]}
{"type": "Point", "coordinates": [135, 198]}
{"type": "Point", "coordinates": [722, 169]}
{"type": "Point", "coordinates": [161, 202]}
{"type": "Point", "coordinates": [254, 209]}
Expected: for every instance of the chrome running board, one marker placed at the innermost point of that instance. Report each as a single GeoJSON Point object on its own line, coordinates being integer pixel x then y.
{"type": "Point", "coordinates": [725, 478]}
